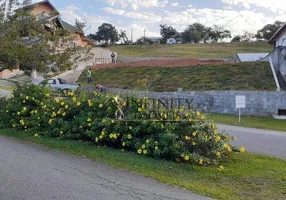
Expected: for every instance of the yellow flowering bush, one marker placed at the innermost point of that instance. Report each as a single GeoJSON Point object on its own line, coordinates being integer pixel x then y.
{"type": "Point", "coordinates": [120, 122]}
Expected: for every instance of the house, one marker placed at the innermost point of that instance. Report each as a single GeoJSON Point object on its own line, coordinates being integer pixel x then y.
{"type": "Point", "coordinates": [278, 57]}
{"type": "Point", "coordinates": [171, 41]}
{"type": "Point", "coordinates": [155, 40]}
{"type": "Point", "coordinates": [251, 57]}
{"type": "Point", "coordinates": [45, 10]}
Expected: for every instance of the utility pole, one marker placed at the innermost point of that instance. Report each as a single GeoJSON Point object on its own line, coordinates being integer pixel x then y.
{"type": "Point", "coordinates": [131, 35]}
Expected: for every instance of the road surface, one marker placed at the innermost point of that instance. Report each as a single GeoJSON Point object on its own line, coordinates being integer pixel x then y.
{"type": "Point", "coordinates": [272, 143]}
{"type": "Point", "coordinates": [5, 93]}
{"type": "Point", "coordinates": [32, 172]}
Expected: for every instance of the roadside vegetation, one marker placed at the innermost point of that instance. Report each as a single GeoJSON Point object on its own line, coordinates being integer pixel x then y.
{"type": "Point", "coordinates": [267, 123]}
{"type": "Point", "coordinates": [202, 77]}
{"type": "Point", "coordinates": [214, 50]}
{"type": "Point", "coordinates": [245, 176]}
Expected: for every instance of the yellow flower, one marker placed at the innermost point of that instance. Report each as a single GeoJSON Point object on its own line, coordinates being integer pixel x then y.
{"type": "Point", "coordinates": [194, 134]}
{"type": "Point", "coordinates": [129, 136]}
{"type": "Point", "coordinates": [50, 121]}
{"type": "Point", "coordinates": [198, 113]}
{"type": "Point", "coordinates": [145, 152]}
{"type": "Point", "coordinates": [61, 132]}
{"type": "Point", "coordinates": [177, 118]}
{"type": "Point", "coordinates": [130, 127]}
{"type": "Point", "coordinates": [187, 158]}
{"type": "Point", "coordinates": [123, 144]}
{"type": "Point", "coordinates": [27, 97]}
{"type": "Point", "coordinates": [140, 110]}
{"type": "Point", "coordinates": [18, 113]}
{"type": "Point", "coordinates": [24, 108]}
{"type": "Point", "coordinates": [96, 139]}
{"type": "Point", "coordinates": [221, 167]}
{"type": "Point", "coordinates": [89, 120]}
{"type": "Point", "coordinates": [143, 146]}
{"type": "Point", "coordinates": [39, 118]}
{"type": "Point", "coordinates": [62, 103]}
{"type": "Point", "coordinates": [36, 111]}
{"type": "Point", "coordinates": [24, 101]}
{"type": "Point", "coordinates": [47, 94]}
{"type": "Point", "coordinates": [89, 103]}
{"type": "Point", "coordinates": [218, 154]}
{"type": "Point", "coordinates": [74, 98]}
{"type": "Point", "coordinates": [78, 103]}
{"type": "Point", "coordinates": [57, 100]}
{"type": "Point", "coordinates": [187, 138]}
{"type": "Point", "coordinates": [201, 161]}
{"type": "Point", "coordinates": [100, 105]}
{"type": "Point", "coordinates": [203, 117]}
{"type": "Point", "coordinates": [100, 137]}
{"type": "Point", "coordinates": [80, 126]}
{"type": "Point", "coordinates": [193, 143]}
{"type": "Point", "coordinates": [156, 148]}
{"type": "Point", "coordinates": [229, 149]}
{"type": "Point", "coordinates": [225, 145]}
{"type": "Point", "coordinates": [66, 107]}
{"type": "Point", "coordinates": [14, 125]}
{"type": "Point", "coordinates": [102, 132]}
{"type": "Point", "coordinates": [64, 114]}
{"type": "Point", "coordinates": [36, 135]}
{"type": "Point", "coordinates": [44, 107]}
{"type": "Point", "coordinates": [218, 138]}
{"type": "Point", "coordinates": [139, 151]}
{"type": "Point", "coordinates": [89, 124]}
{"type": "Point", "coordinates": [242, 149]}
{"type": "Point", "coordinates": [147, 141]}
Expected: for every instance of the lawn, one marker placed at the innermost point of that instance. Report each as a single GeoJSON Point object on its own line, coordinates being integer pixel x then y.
{"type": "Point", "coordinates": [203, 77]}
{"type": "Point", "coordinates": [4, 87]}
{"type": "Point", "coordinates": [246, 176]}
{"type": "Point", "coordinates": [252, 122]}
{"type": "Point", "coordinates": [220, 50]}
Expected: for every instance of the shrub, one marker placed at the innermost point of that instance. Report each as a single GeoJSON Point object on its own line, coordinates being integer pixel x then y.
{"type": "Point", "coordinates": [125, 123]}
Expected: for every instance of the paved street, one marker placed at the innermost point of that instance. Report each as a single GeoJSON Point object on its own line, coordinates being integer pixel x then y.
{"type": "Point", "coordinates": [31, 172]}
{"type": "Point", "coordinates": [5, 93]}
{"type": "Point", "coordinates": [272, 143]}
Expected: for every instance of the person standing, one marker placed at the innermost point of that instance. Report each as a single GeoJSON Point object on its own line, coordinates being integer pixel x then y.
{"type": "Point", "coordinates": [113, 57]}
{"type": "Point", "coordinates": [89, 79]}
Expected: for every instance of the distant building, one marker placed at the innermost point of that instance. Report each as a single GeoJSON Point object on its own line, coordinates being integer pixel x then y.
{"type": "Point", "coordinates": [155, 40]}
{"type": "Point", "coordinates": [251, 57]}
{"type": "Point", "coordinates": [171, 41]}
{"type": "Point", "coordinates": [279, 38]}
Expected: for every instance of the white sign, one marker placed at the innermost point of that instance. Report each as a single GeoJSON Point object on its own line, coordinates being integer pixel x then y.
{"type": "Point", "coordinates": [240, 102]}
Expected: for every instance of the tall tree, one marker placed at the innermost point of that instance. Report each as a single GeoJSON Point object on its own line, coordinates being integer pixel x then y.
{"type": "Point", "coordinates": [123, 36]}
{"type": "Point", "coordinates": [106, 33]}
{"type": "Point", "coordinates": [268, 30]}
{"type": "Point", "coordinates": [168, 32]}
{"type": "Point", "coordinates": [80, 25]}
{"type": "Point", "coordinates": [195, 33]}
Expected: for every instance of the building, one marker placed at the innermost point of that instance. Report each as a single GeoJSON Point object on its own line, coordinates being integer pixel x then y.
{"type": "Point", "coordinates": [171, 41]}
{"type": "Point", "coordinates": [155, 40]}
{"type": "Point", "coordinates": [251, 57]}
{"type": "Point", "coordinates": [45, 10]}
{"type": "Point", "coordinates": [278, 57]}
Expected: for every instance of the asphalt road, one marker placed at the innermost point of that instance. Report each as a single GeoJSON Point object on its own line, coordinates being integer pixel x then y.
{"type": "Point", "coordinates": [32, 172]}
{"type": "Point", "coordinates": [272, 143]}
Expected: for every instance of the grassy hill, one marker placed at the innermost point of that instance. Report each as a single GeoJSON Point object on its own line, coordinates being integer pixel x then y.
{"type": "Point", "coordinates": [191, 50]}
{"type": "Point", "coordinates": [221, 76]}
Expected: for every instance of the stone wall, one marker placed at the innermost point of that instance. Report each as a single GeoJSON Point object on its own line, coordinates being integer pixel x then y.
{"type": "Point", "coordinates": [258, 103]}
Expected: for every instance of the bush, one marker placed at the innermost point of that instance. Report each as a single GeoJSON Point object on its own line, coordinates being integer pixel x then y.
{"type": "Point", "coordinates": [125, 123]}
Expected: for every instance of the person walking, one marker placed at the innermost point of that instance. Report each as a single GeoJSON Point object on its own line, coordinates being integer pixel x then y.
{"type": "Point", "coordinates": [89, 79]}
{"type": "Point", "coordinates": [113, 57]}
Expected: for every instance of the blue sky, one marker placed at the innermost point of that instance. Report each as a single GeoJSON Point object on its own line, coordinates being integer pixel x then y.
{"type": "Point", "coordinates": [235, 15]}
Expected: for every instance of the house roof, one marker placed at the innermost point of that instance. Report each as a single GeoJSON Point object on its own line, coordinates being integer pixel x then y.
{"type": "Point", "coordinates": [41, 2]}
{"type": "Point", "coordinates": [248, 57]}
{"type": "Point", "coordinates": [70, 27]}
{"type": "Point", "coordinates": [273, 38]}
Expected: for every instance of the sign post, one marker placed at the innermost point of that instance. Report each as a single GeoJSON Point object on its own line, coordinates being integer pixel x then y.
{"type": "Point", "coordinates": [240, 103]}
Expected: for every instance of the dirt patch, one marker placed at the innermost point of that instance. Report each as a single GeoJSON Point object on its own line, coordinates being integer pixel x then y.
{"type": "Point", "coordinates": [159, 63]}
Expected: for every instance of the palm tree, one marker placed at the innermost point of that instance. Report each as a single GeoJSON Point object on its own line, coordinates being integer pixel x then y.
{"type": "Point", "coordinates": [122, 36]}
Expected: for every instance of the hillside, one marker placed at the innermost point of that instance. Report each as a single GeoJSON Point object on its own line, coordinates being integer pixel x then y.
{"type": "Point", "coordinates": [200, 77]}
{"type": "Point", "coordinates": [191, 50]}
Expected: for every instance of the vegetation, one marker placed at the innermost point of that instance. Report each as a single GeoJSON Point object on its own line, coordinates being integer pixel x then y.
{"type": "Point", "coordinates": [268, 30]}
{"type": "Point", "coordinates": [238, 76]}
{"type": "Point", "coordinates": [106, 33]}
{"type": "Point", "coordinates": [133, 124]}
{"type": "Point", "coordinates": [220, 50]}
{"type": "Point", "coordinates": [252, 122]}
{"type": "Point", "coordinates": [245, 176]}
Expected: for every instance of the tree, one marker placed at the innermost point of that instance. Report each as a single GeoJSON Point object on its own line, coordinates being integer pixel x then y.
{"type": "Point", "coordinates": [195, 33]}
{"type": "Point", "coordinates": [236, 38]}
{"type": "Point", "coordinates": [25, 43]}
{"type": "Point", "coordinates": [168, 32]}
{"type": "Point", "coordinates": [80, 25]}
{"type": "Point", "coordinates": [247, 36]}
{"type": "Point", "coordinates": [218, 33]}
{"type": "Point", "coordinates": [122, 36]}
{"type": "Point", "coordinates": [143, 40]}
{"type": "Point", "coordinates": [106, 33]}
{"type": "Point", "coordinates": [268, 30]}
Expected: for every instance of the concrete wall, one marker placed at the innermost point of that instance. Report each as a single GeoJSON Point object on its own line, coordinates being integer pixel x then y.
{"type": "Point", "coordinates": [258, 103]}
{"type": "Point", "coordinates": [281, 39]}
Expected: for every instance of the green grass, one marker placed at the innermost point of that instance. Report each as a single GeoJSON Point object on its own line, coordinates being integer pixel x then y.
{"type": "Point", "coordinates": [251, 122]}
{"type": "Point", "coordinates": [229, 76]}
{"type": "Point", "coordinates": [191, 50]}
{"type": "Point", "coordinates": [246, 176]}
{"type": "Point", "coordinates": [4, 87]}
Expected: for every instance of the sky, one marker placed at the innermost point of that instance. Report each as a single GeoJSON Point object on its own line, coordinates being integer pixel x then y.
{"type": "Point", "coordinates": [235, 15]}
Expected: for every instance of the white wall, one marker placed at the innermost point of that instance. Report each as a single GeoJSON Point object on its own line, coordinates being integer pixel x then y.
{"type": "Point", "coordinates": [280, 38]}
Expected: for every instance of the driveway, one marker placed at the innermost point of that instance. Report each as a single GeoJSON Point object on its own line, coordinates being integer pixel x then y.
{"type": "Point", "coordinates": [31, 172]}
{"type": "Point", "coordinates": [271, 143]}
